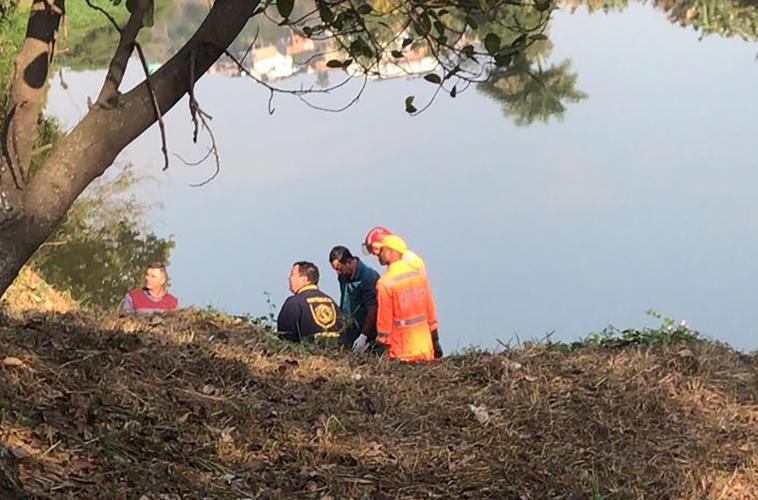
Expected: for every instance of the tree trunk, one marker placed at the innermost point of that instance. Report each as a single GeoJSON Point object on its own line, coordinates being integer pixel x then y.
{"type": "Point", "coordinates": [104, 132]}
{"type": "Point", "coordinates": [26, 97]}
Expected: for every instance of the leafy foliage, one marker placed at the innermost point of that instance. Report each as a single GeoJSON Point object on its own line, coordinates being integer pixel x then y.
{"type": "Point", "coordinates": [727, 18]}
{"type": "Point", "coordinates": [669, 332]}
{"type": "Point", "coordinates": [530, 94]}
{"type": "Point", "coordinates": [90, 38]}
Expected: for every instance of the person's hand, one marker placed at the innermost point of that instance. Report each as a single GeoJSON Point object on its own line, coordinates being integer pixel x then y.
{"type": "Point", "coordinates": [436, 343]}
{"type": "Point", "coordinates": [360, 343]}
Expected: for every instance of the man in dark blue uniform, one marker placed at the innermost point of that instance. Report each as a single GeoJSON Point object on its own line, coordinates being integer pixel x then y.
{"type": "Point", "coordinates": [357, 298]}
{"type": "Point", "coordinates": [310, 313]}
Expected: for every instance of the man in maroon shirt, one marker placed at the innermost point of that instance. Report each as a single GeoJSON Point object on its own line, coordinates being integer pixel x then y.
{"type": "Point", "coordinates": [152, 297]}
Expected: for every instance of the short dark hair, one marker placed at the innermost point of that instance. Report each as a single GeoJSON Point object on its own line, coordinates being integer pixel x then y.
{"type": "Point", "coordinates": [159, 266]}
{"type": "Point", "coordinates": [340, 253]}
{"type": "Point", "coordinates": [308, 269]}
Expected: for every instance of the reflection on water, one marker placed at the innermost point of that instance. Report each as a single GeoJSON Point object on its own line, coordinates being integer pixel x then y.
{"type": "Point", "coordinates": [643, 197]}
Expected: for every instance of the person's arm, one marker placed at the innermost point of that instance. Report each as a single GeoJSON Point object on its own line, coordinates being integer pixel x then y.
{"type": "Point", "coordinates": [369, 325]}
{"type": "Point", "coordinates": [287, 321]}
{"type": "Point", "coordinates": [369, 292]}
{"type": "Point", "coordinates": [127, 305]}
{"type": "Point", "coordinates": [383, 314]}
{"type": "Point", "coordinates": [431, 316]}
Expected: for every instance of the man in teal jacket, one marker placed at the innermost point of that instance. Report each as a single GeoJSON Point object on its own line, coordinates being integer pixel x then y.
{"type": "Point", "coordinates": [357, 298]}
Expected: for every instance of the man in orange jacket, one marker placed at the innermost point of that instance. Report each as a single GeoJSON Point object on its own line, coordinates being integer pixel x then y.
{"type": "Point", "coordinates": [406, 320]}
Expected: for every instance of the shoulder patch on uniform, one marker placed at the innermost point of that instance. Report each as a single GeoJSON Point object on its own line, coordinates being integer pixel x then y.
{"type": "Point", "coordinates": [324, 314]}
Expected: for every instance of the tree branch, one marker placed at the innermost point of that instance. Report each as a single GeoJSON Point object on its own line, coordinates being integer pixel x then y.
{"type": "Point", "coordinates": [109, 93]}
{"type": "Point", "coordinates": [164, 142]}
{"type": "Point", "coordinates": [106, 14]}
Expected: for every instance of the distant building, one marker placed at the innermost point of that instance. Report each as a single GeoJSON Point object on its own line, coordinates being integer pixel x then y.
{"type": "Point", "coordinates": [273, 64]}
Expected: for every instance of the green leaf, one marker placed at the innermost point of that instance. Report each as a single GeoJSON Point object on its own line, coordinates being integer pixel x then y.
{"type": "Point", "coordinates": [472, 23]}
{"type": "Point", "coordinates": [454, 92]}
{"type": "Point", "coordinates": [503, 59]}
{"type": "Point", "coordinates": [440, 27]}
{"type": "Point", "coordinates": [365, 9]}
{"type": "Point", "coordinates": [492, 43]}
{"type": "Point", "coordinates": [407, 42]}
{"type": "Point", "coordinates": [397, 54]}
{"type": "Point", "coordinates": [433, 78]}
{"type": "Point", "coordinates": [339, 21]}
{"type": "Point", "coordinates": [285, 7]}
{"type": "Point", "coordinates": [359, 47]}
{"type": "Point", "coordinates": [336, 63]}
{"type": "Point", "coordinates": [468, 51]}
{"type": "Point", "coordinates": [409, 107]}
{"type": "Point", "coordinates": [538, 36]}
{"type": "Point", "coordinates": [325, 12]}
{"type": "Point", "coordinates": [423, 26]}
{"type": "Point", "coordinates": [520, 41]}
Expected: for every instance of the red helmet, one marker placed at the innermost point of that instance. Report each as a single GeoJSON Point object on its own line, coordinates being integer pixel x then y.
{"type": "Point", "coordinates": [375, 235]}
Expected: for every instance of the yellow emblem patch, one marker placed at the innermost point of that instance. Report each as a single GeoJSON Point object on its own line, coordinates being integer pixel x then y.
{"type": "Point", "coordinates": [324, 315]}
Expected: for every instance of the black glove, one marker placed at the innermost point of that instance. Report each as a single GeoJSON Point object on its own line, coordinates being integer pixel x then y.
{"type": "Point", "coordinates": [436, 343]}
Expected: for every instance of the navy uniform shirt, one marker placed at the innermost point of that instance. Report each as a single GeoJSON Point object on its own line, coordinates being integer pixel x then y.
{"type": "Point", "coordinates": [357, 294]}
{"type": "Point", "coordinates": [308, 313]}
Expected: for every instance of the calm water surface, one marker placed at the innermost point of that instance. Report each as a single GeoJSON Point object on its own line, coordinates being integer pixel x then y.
{"type": "Point", "coordinates": [644, 196]}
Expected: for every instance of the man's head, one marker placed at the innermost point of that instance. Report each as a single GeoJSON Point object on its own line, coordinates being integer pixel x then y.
{"type": "Point", "coordinates": [302, 274]}
{"type": "Point", "coordinates": [156, 278]}
{"type": "Point", "coordinates": [390, 249]}
{"type": "Point", "coordinates": [342, 261]}
{"type": "Point", "coordinates": [374, 236]}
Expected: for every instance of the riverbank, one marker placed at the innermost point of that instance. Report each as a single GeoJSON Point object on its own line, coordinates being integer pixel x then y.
{"type": "Point", "coordinates": [197, 405]}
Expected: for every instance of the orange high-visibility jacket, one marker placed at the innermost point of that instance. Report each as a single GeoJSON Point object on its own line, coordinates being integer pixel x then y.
{"type": "Point", "coordinates": [414, 261]}
{"type": "Point", "coordinates": [406, 314]}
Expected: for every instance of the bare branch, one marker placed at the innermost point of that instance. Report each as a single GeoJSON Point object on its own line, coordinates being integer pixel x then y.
{"type": "Point", "coordinates": [193, 106]}
{"type": "Point", "coordinates": [299, 92]}
{"type": "Point", "coordinates": [157, 107]}
{"type": "Point", "coordinates": [213, 150]}
{"type": "Point", "coordinates": [343, 108]}
{"type": "Point", "coordinates": [109, 93]}
{"type": "Point", "coordinates": [106, 14]}
{"type": "Point", "coordinates": [194, 163]}
{"type": "Point", "coordinates": [41, 149]}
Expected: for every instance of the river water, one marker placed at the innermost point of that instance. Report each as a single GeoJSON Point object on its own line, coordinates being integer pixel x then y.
{"type": "Point", "coordinates": [642, 197]}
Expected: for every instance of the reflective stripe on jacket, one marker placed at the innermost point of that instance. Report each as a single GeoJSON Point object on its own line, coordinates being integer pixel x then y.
{"type": "Point", "coordinates": [406, 314]}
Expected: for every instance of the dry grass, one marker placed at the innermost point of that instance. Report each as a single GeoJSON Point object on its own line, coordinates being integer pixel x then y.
{"type": "Point", "coordinates": [30, 292]}
{"type": "Point", "coordinates": [192, 406]}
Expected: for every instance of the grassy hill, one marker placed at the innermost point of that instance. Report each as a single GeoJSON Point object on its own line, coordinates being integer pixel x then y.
{"type": "Point", "coordinates": [199, 406]}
